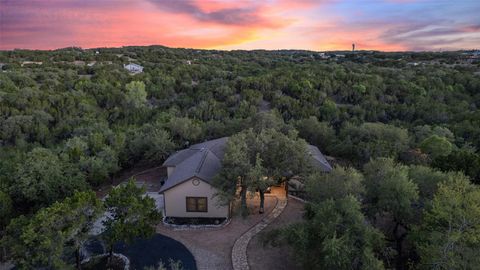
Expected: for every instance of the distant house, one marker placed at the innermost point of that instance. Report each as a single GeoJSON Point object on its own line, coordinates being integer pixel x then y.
{"type": "Point", "coordinates": [133, 68]}
{"type": "Point", "coordinates": [323, 55]}
{"type": "Point", "coordinates": [188, 191]}
{"type": "Point", "coordinates": [31, 63]}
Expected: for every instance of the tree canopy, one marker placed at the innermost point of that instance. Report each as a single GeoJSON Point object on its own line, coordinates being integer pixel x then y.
{"type": "Point", "coordinates": [398, 126]}
{"type": "Point", "coordinates": [335, 235]}
{"type": "Point", "coordinates": [131, 215]}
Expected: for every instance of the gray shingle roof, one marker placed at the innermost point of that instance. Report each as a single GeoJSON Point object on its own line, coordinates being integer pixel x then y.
{"type": "Point", "coordinates": [318, 159]}
{"type": "Point", "coordinates": [204, 160]}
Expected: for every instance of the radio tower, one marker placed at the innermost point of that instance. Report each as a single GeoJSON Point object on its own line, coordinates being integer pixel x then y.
{"type": "Point", "coordinates": [353, 47]}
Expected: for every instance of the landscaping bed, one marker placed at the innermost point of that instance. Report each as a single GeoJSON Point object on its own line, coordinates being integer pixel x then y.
{"type": "Point", "coordinates": [194, 221]}
{"type": "Point", "coordinates": [149, 252]}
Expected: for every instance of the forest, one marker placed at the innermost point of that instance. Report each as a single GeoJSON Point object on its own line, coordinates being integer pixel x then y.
{"type": "Point", "coordinates": [401, 129]}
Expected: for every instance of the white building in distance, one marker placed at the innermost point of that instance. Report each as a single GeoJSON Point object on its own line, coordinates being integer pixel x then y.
{"type": "Point", "coordinates": [133, 68]}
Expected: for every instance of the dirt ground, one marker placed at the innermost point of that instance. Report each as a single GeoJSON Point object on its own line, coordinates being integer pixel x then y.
{"type": "Point", "coordinates": [278, 258]}
{"type": "Point", "coordinates": [144, 174]}
{"type": "Point", "coordinates": [212, 247]}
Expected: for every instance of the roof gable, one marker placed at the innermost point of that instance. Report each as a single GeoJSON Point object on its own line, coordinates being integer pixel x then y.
{"type": "Point", "coordinates": [204, 161]}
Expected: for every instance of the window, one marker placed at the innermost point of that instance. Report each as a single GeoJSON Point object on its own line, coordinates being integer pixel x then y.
{"type": "Point", "coordinates": [196, 204]}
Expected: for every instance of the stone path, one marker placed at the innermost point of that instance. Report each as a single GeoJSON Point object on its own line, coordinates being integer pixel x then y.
{"type": "Point", "coordinates": [239, 250]}
{"type": "Point", "coordinates": [212, 247]}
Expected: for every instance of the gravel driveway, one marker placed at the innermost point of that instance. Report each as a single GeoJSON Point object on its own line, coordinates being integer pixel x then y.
{"type": "Point", "coordinates": [278, 258]}
{"type": "Point", "coordinates": [212, 247]}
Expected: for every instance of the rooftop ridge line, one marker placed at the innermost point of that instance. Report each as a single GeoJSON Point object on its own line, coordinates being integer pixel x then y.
{"type": "Point", "coordinates": [200, 164]}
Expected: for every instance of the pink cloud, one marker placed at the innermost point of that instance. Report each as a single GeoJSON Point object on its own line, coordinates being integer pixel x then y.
{"type": "Point", "coordinates": [220, 24]}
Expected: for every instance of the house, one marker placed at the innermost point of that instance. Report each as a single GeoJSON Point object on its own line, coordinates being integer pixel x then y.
{"type": "Point", "coordinates": [323, 55]}
{"type": "Point", "coordinates": [31, 63]}
{"type": "Point", "coordinates": [188, 191]}
{"type": "Point", "coordinates": [133, 68]}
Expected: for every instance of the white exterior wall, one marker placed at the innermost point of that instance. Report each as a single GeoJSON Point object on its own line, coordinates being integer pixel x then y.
{"type": "Point", "coordinates": [176, 201]}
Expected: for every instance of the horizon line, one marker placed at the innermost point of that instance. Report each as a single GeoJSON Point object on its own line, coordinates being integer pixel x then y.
{"type": "Point", "coordinates": [232, 50]}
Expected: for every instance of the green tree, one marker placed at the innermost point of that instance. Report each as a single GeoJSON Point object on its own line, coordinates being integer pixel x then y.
{"type": "Point", "coordinates": [390, 194]}
{"type": "Point", "coordinates": [100, 167]}
{"type": "Point", "coordinates": [254, 161]}
{"type": "Point", "coordinates": [334, 235]}
{"type": "Point", "coordinates": [316, 132]}
{"type": "Point", "coordinates": [95, 155]}
{"type": "Point", "coordinates": [269, 120]}
{"type": "Point", "coordinates": [258, 180]}
{"type": "Point", "coordinates": [160, 145]}
{"type": "Point", "coordinates": [184, 129]}
{"type": "Point", "coordinates": [427, 180]}
{"type": "Point", "coordinates": [460, 160]}
{"type": "Point", "coordinates": [436, 146]}
{"type": "Point", "coordinates": [371, 140]}
{"type": "Point", "coordinates": [83, 209]}
{"type": "Point", "coordinates": [389, 189]}
{"type": "Point", "coordinates": [235, 166]}
{"type": "Point", "coordinates": [131, 215]}
{"type": "Point", "coordinates": [44, 178]}
{"type": "Point", "coordinates": [42, 240]}
{"type": "Point", "coordinates": [328, 110]}
{"type": "Point", "coordinates": [6, 209]}
{"type": "Point", "coordinates": [337, 184]}
{"type": "Point", "coordinates": [135, 94]}
{"type": "Point", "coordinates": [448, 237]}
{"type": "Point", "coordinates": [420, 133]}
{"type": "Point", "coordinates": [284, 154]}
{"type": "Point", "coordinates": [150, 142]}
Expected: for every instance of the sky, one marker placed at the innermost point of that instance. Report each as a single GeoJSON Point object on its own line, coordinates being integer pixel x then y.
{"type": "Point", "coordinates": [320, 25]}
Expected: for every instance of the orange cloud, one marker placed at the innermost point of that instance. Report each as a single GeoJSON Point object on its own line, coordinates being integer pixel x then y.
{"type": "Point", "coordinates": [226, 24]}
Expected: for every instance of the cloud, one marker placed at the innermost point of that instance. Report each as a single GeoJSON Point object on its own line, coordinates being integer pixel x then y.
{"type": "Point", "coordinates": [433, 36]}
{"type": "Point", "coordinates": [245, 16]}
{"type": "Point", "coordinates": [244, 24]}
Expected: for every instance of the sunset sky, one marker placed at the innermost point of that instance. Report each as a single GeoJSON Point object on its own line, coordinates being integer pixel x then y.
{"type": "Point", "coordinates": [389, 25]}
